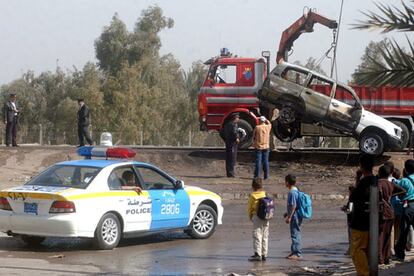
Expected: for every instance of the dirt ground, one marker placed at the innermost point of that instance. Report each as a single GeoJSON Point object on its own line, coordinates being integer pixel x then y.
{"type": "Point", "coordinates": [320, 173]}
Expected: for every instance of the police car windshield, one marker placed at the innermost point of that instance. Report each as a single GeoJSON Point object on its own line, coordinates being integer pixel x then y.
{"type": "Point", "coordinates": [66, 176]}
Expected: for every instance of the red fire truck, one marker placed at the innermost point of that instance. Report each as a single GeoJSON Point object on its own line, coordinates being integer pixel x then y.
{"type": "Point", "coordinates": [232, 84]}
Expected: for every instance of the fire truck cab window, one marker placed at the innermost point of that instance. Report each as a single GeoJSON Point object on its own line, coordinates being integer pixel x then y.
{"type": "Point", "coordinates": [295, 76]}
{"type": "Point", "coordinates": [225, 74]}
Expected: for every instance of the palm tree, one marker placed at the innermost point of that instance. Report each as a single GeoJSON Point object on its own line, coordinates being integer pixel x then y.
{"type": "Point", "coordinates": [397, 64]}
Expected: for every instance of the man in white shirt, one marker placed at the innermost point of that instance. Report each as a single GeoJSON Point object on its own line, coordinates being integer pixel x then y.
{"type": "Point", "coordinates": [10, 113]}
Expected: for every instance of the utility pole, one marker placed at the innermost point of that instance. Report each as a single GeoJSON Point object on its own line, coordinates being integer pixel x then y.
{"type": "Point", "coordinates": [373, 229]}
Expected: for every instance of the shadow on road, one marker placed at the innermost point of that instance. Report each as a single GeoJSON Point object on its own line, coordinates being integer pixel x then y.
{"type": "Point", "coordinates": [11, 244]}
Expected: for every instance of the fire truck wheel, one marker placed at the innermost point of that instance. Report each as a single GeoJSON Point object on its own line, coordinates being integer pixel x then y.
{"type": "Point", "coordinates": [371, 143]}
{"type": "Point", "coordinates": [247, 140]}
{"type": "Point", "coordinates": [405, 135]}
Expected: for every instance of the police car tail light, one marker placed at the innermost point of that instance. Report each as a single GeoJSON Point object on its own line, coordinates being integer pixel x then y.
{"type": "Point", "coordinates": [4, 204]}
{"type": "Point", "coordinates": [62, 207]}
{"type": "Point", "coordinates": [108, 152]}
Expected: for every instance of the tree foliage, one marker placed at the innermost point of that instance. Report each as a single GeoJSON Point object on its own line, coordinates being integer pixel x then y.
{"type": "Point", "coordinates": [372, 52]}
{"type": "Point", "coordinates": [395, 65]}
{"type": "Point", "coordinates": [312, 64]}
{"type": "Point", "coordinates": [132, 91]}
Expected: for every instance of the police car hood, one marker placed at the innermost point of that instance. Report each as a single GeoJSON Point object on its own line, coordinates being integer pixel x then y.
{"type": "Point", "coordinates": [197, 191]}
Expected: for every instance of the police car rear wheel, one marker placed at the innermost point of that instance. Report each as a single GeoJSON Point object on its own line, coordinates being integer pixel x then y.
{"type": "Point", "coordinates": [108, 232]}
{"type": "Point", "coordinates": [204, 223]}
{"type": "Point", "coordinates": [32, 240]}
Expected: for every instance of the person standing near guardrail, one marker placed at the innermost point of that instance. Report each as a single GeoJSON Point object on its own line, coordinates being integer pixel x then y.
{"type": "Point", "coordinates": [231, 137]}
{"type": "Point", "coordinates": [11, 112]}
{"type": "Point", "coordinates": [261, 135]}
{"type": "Point", "coordinates": [359, 199]}
{"type": "Point", "coordinates": [83, 123]}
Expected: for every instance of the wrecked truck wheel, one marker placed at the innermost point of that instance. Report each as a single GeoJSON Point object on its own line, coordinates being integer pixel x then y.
{"type": "Point", "coordinates": [287, 115]}
{"type": "Point", "coordinates": [285, 133]}
{"type": "Point", "coordinates": [371, 143]}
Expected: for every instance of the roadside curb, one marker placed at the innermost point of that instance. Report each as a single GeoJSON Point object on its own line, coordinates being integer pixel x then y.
{"type": "Point", "coordinates": [315, 197]}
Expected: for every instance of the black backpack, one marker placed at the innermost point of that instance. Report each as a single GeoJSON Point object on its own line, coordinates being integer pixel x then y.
{"type": "Point", "coordinates": [266, 208]}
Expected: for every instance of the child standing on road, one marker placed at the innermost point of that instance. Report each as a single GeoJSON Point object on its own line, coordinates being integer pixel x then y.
{"type": "Point", "coordinates": [260, 226]}
{"type": "Point", "coordinates": [292, 218]}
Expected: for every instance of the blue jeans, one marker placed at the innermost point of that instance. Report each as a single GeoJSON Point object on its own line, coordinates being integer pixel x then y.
{"type": "Point", "coordinates": [262, 160]}
{"type": "Point", "coordinates": [296, 247]}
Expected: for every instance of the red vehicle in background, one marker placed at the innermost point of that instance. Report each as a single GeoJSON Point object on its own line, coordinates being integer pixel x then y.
{"type": "Point", "coordinates": [232, 84]}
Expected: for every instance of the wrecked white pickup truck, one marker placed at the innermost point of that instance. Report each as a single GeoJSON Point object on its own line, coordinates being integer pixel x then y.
{"type": "Point", "coordinates": [305, 98]}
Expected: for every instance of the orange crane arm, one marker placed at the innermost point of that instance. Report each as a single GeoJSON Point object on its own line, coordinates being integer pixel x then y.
{"type": "Point", "coordinates": [302, 25]}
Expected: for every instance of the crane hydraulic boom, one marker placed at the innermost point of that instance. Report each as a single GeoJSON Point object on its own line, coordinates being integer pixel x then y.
{"type": "Point", "coordinates": [302, 25]}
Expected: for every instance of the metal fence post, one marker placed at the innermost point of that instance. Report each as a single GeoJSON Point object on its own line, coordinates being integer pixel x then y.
{"type": "Point", "coordinates": [189, 138]}
{"type": "Point", "coordinates": [141, 138]}
{"type": "Point", "coordinates": [373, 229]}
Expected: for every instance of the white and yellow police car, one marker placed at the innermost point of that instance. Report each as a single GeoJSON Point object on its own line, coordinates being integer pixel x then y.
{"type": "Point", "coordinates": [106, 199]}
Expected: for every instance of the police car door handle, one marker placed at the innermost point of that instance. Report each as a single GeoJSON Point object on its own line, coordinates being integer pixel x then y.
{"type": "Point", "coordinates": [335, 104]}
{"type": "Point", "coordinates": [156, 199]}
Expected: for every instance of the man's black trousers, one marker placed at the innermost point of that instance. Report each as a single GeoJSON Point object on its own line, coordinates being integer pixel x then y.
{"type": "Point", "coordinates": [11, 132]}
{"type": "Point", "coordinates": [83, 132]}
{"type": "Point", "coordinates": [231, 157]}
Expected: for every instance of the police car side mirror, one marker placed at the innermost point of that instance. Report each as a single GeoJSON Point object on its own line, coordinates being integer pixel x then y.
{"type": "Point", "coordinates": [179, 184]}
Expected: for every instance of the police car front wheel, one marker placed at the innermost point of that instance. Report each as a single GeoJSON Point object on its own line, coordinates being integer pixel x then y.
{"type": "Point", "coordinates": [204, 223]}
{"type": "Point", "coordinates": [32, 240]}
{"type": "Point", "coordinates": [108, 232]}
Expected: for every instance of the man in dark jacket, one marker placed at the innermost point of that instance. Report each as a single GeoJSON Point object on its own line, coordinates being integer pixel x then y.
{"type": "Point", "coordinates": [10, 113]}
{"type": "Point", "coordinates": [83, 123]}
{"type": "Point", "coordinates": [231, 137]}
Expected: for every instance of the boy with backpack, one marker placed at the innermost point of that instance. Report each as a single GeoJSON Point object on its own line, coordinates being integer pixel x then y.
{"type": "Point", "coordinates": [294, 215]}
{"type": "Point", "coordinates": [259, 209]}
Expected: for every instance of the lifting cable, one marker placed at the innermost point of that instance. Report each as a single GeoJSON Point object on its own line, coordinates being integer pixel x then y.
{"type": "Point", "coordinates": [334, 44]}
{"type": "Point", "coordinates": [334, 65]}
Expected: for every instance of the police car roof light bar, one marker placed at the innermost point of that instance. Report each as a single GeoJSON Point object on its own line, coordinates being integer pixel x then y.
{"type": "Point", "coordinates": [109, 152]}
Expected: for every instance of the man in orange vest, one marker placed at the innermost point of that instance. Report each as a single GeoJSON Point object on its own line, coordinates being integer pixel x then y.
{"type": "Point", "coordinates": [261, 135]}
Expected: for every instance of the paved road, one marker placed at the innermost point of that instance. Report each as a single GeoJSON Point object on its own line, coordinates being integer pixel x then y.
{"type": "Point", "coordinates": [176, 254]}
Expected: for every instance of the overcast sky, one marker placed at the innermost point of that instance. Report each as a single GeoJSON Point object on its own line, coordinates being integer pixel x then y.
{"type": "Point", "coordinates": [38, 35]}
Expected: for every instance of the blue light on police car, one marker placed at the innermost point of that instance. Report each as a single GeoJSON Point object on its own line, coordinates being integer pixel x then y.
{"type": "Point", "coordinates": [85, 151]}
